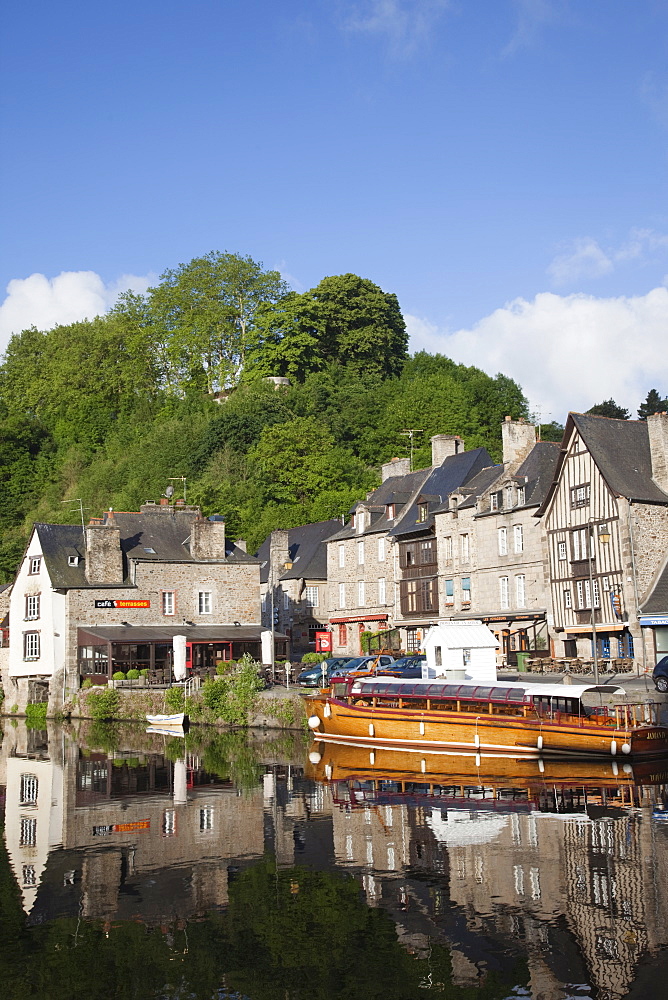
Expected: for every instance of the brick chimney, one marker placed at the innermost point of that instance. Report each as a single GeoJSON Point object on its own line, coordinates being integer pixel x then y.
{"type": "Point", "coordinates": [443, 446]}
{"type": "Point", "coordinates": [279, 553]}
{"type": "Point", "coordinates": [207, 538]}
{"type": "Point", "coordinates": [657, 428]}
{"type": "Point", "coordinates": [518, 438]}
{"type": "Point", "coordinates": [395, 467]}
{"type": "Point", "coordinates": [104, 559]}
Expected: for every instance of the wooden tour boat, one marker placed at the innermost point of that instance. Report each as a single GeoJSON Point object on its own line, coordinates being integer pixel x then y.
{"type": "Point", "coordinates": [522, 719]}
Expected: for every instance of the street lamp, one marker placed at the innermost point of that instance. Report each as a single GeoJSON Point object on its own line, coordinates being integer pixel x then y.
{"type": "Point", "coordinates": [603, 536]}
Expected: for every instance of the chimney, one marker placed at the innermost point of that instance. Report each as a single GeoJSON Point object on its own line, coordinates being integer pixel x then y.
{"type": "Point", "coordinates": [657, 428]}
{"type": "Point", "coordinates": [207, 538]}
{"type": "Point", "coordinates": [518, 438]}
{"type": "Point", "coordinates": [104, 559]}
{"type": "Point", "coordinates": [395, 467]}
{"type": "Point", "coordinates": [279, 553]}
{"type": "Point", "coordinates": [444, 446]}
{"type": "Point", "coordinates": [241, 544]}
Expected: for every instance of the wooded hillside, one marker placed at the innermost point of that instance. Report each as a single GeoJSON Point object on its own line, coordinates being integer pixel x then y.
{"type": "Point", "coordinates": [110, 408]}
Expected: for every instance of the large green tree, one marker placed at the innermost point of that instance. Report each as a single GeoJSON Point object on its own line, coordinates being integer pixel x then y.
{"type": "Point", "coordinates": [345, 320]}
{"type": "Point", "coordinates": [204, 313]}
{"type": "Point", "coordinates": [652, 404]}
{"type": "Point", "coordinates": [608, 408]}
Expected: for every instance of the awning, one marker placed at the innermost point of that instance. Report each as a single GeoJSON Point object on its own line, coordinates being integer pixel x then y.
{"type": "Point", "coordinates": [359, 618]}
{"type": "Point", "coordinates": [504, 616]}
{"type": "Point", "coordinates": [91, 635]}
{"type": "Point", "coordinates": [600, 628]}
{"type": "Point", "coordinates": [650, 621]}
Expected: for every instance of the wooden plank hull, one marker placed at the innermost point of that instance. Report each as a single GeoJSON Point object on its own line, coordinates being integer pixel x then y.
{"type": "Point", "coordinates": [448, 732]}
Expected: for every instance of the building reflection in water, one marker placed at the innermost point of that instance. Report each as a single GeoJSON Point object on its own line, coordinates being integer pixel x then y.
{"type": "Point", "coordinates": [566, 866]}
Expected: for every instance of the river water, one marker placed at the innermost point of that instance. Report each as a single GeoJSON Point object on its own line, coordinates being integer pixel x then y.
{"type": "Point", "coordinates": [139, 865]}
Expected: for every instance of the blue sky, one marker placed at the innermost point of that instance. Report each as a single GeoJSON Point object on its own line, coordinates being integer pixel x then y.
{"type": "Point", "coordinates": [498, 164]}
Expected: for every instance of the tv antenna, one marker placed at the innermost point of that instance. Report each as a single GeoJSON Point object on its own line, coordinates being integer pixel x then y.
{"type": "Point", "coordinates": [410, 432]}
{"type": "Point", "coordinates": [537, 415]}
{"type": "Point", "coordinates": [78, 501]}
{"type": "Point", "coordinates": [169, 492]}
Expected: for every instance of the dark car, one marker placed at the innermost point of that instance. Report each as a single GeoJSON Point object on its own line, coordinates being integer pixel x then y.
{"type": "Point", "coordinates": [409, 667]}
{"type": "Point", "coordinates": [362, 665]}
{"type": "Point", "coordinates": [660, 675]}
{"type": "Point", "coordinates": [312, 675]}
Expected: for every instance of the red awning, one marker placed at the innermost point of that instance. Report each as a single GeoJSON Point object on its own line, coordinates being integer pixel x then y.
{"type": "Point", "coordinates": [359, 618]}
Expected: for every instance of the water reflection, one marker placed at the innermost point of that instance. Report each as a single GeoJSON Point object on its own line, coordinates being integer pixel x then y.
{"type": "Point", "coordinates": [507, 877]}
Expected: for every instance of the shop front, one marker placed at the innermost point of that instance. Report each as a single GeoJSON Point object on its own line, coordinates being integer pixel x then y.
{"type": "Point", "coordinates": [347, 632]}
{"type": "Point", "coordinates": [106, 650]}
{"type": "Point", "coordinates": [517, 633]}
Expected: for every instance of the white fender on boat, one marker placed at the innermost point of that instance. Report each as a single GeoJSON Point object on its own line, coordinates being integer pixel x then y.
{"type": "Point", "coordinates": [541, 765]}
{"type": "Point", "coordinates": [422, 729]}
{"type": "Point", "coordinates": [615, 768]}
{"type": "Point", "coordinates": [372, 731]}
{"type": "Point", "coordinates": [328, 771]}
{"type": "Point", "coordinates": [327, 711]}
{"type": "Point", "coordinates": [613, 747]}
{"type": "Point", "coordinates": [423, 765]}
{"type": "Point", "coordinates": [313, 721]}
{"type": "Point", "coordinates": [315, 757]}
{"type": "Point", "coordinates": [539, 743]}
{"type": "Point", "coordinates": [372, 758]}
{"type": "Point", "coordinates": [626, 748]}
{"type": "Point", "coordinates": [477, 760]}
{"type": "Point", "coordinates": [476, 740]}
{"type": "Point", "coordinates": [627, 769]}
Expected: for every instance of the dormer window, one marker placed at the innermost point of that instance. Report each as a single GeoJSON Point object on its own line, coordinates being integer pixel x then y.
{"type": "Point", "coordinates": [521, 496]}
{"type": "Point", "coordinates": [509, 497]}
{"type": "Point", "coordinates": [390, 511]}
{"type": "Point", "coordinates": [494, 501]}
{"type": "Point", "coordinates": [423, 511]}
{"type": "Point", "coordinates": [359, 521]}
{"type": "Point", "coordinates": [73, 560]}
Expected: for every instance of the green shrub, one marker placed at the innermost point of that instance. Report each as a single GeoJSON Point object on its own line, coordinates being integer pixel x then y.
{"type": "Point", "coordinates": [87, 684]}
{"type": "Point", "coordinates": [36, 715]}
{"type": "Point", "coordinates": [104, 704]}
{"type": "Point", "coordinates": [174, 700]}
{"type": "Point", "coordinates": [144, 671]}
{"type": "Point", "coordinates": [133, 675]}
{"type": "Point", "coordinates": [2, 695]}
{"type": "Point", "coordinates": [231, 697]}
{"type": "Point", "coordinates": [225, 666]}
{"type": "Point", "coordinates": [14, 709]}
{"type": "Point", "coordinates": [314, 657]}
{"type": "Point", "coordinates": [118, 676]}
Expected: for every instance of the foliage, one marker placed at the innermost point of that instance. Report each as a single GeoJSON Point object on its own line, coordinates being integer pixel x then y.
{"type": "Point", "coordinates": [231, 698]}
{"type": "Point", "coordinates": [175, 700]}
{"type": "Point", "coordinates": [36, 715]}
{"type": "Point", "coordinates": [652, 404]}
{"type": "Point", "coordinates": [608, 408]}
{"type": "Point", "coordinates": [103, 705]}
{"type": "Point", "coordinates": [87, 684]}
{"type": "Point", "coordinates": [314, 657]}
{"type": "Point", "coordinates": [288, 711]}
{"type": "Point", "coordinates": [230, 757]}
{"type": "Point", "coordinates": [103, 735]}
{"type": "Point", "coordinates": [2, 695]}
{"type": "Point", "coordinates": [118, 675]}
{"type": "Point", "coordinates": [133, 675]}
{"type": "Point", "coordinates": [551, 432]}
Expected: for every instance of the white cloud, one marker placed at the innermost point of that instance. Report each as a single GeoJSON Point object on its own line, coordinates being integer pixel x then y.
{"type": "Point", "coordinates": [532, 17]}
{"type": "Point", "coordinates": [566, 352]}
{"type": "Point", "coordinates": [584, 257]}
{"type": "Point", "coordinates": [405, 24]}
{"type": "Point", "coordinates": [73, 295]}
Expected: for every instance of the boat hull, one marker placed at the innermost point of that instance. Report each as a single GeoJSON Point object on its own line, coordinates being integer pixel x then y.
{"type": "Point", "coordinates": [167, 721]}
{"type": "Point", "coordinates": [448, 732]}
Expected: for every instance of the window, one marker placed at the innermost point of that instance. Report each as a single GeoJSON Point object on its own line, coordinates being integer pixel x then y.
{"type": "Point", "coordinates": [168, 602]}
{"type": "Point", "coordinates": [32, 606]}
{"type": "Point", "coordinates": [520, 590]}
{"type": "Point", "coordinates": [206, 819]}
{"type": "Point", "coordinates": [264, 602]}
{"type": "Point", "coordinates": [580, 496]}
{"type": "Point", "coordinates": [579, 544]}
{"type": "Point", "coordinates": [31, 645]}
{"type": "Point", "coordinates": [390, 511]}
{"type": "Point", "coordinates": [418, 596]}
{"type": "Point", "coordinates": [494, 501]}
{"type": "Point", "coordinates": [28, 834]}
{"type": "Point", "coordinates": [438, 656]}
{"type": "Point", "coordinates": [381, 590]}
{"type": "Point", "coordinates": [447, 544]}
{"type": "Point", "coordinates": [29, 876]}
{"type": "Point", "coordinates": [286, 601]}
{"type": "Point", "coordinates": [466, 590]}
{"type": "Point", "coordinates": [567, 599]}
{"type": "Point", "coordinates": [169, 823]}
{"type": "Point", "coordinates": [508, 502]}
{"type": "Point", "coordinates": [381, 550]}
{"type": "Point", "coordinates": [466, 657]}
{"type": "Point", "coordinates": [503, 591]}
{"type": "Point", "coordinates": [521, 496]}
{"type": "Point", "coordinates": [360, 593]}
{"type": "Point", "coordinates": [342, 555]}
{"type": "Point", "coordinates": [584, 594]}
{"type": "Point", "coordinates": [413, 640]}
{"type": "Point", "coordinates": [343, 635]}
{"type": "Point", "coordinates": [360, 553]}
{"type": "Point", "coordinates": [205, 602]}
{"type": "Point", "coordinates": [34, 565]}
{"type": "Point", "coordinates": [561, 550]}
{"type": "Point", "coordinates": [311, 594]}
{"type": "Point", "coordinates": [449, 591]}
{"type": "Point", "coordinates": [503, 541]}
{"type": "Point", "coordinates": [464, 541]}
{"type": "Point", "coordinates": [518, 538]}
{"type": "Point", "coordinates": [29, 787]}
{"type": "Point", "coordinates": [342, 595]}
{"type": "Point", "coordinates": [359, 521]}
{"type": "Point", "coordinates": [423, 512]}
{"type": "Point", "coordinates": [73, 560]}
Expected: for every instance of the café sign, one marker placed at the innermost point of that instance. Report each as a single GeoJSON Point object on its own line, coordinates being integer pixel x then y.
{"type": "Point", "coordinates": [122, 604]}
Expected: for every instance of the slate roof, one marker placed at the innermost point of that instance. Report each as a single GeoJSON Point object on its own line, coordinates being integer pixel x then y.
{"type": "Point", "coordinates": [621, 451]}
{"type": "Point", "coordinates": [307, 551]}
{"type": "Point", "coordinates": [167, 535]}
{"type": "Point", "coordinates": [454, 473]}
{"type": "Point", "coordinates": [396, 490]}
{"type": "Point", "coordinates": [539, 469]}
{"type": "Point", "coordinates": [656, 602]}
{"type": "Point", "coordinates": [475, 487]}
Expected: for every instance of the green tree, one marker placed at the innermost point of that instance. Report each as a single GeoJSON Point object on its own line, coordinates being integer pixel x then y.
{"type": "Point", "coordinates": [204, 315]}
{"type": "Point", "coordinates": [652, 404]}
{"type": "Point", "coordinates": [346, 320]}
{"type": "Point", "coordinates": [553, 431]}
{"type": "Point", "coordinates": [608, 408]}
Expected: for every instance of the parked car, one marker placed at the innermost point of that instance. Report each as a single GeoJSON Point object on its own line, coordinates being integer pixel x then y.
{"type": "Point", "coordinates": [311, 676]}
{"type": "Point", "coordinates": [362, 665]}
{"type": "Point", "coordinates": [660, 675]}
{"type": "Point", "coordinates": [409, 667]}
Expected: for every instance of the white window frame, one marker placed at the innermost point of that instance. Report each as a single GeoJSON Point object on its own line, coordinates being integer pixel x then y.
{"type": "Point", "coordinates": [568, 603]}
{"type": "Point", "coordinates": [29, 789]}
{"type": "Point", "coordinates": [494, 501]}
{"type": "Point", "coordinates": [520, 590]}
{"type": "Point", "coordinates": [205, 602]}
{"type": "Point", "coordinates": [206, 814]}
{"type": "Point", "coordinates": [381, 590]}
{"type": "Point", "coordinates": [359, 521]}
{"type": "Point", "coordinates": [521, 496]}
{"type": "Point", "coordinates": [562, 551]}
{"type": "Point", "coordinates": [34, 565]}
{"type": "Point", "coordinates": [580, 544]}
{"type": "Point", "coordinates": [360, 553]}
{"type": "Point", "coordinates": [381, 550]}
{"type": "Point", "coordinates": [447, 541]}
{"type": "Point", "coordinates": [503, 593]}
{"type": "Point", "coordinates": [286, 601]}
{"type": "Point", "coordinates": [342, 555]}
{"type": "Point", "coordinates": [508, 497]}
{"type": "Point", "coordinates": [502, 539]}
{"type": "Point", "coordinates": [518, 538]}
{"type": "Point", "coordinates": [465, 547]}
{"type": "Point", "coordinates": [32, 608]}
{"type": "Point", "coordinates": [342, 595]}
{"type": "Point", "coordinates": [361, 596]}
{"type": "Point", "coordinates": [168, 601]}
{"type": "Point", "coordinates": [311, 597]}
{"type": "Point", "coordinates": [31, 646]}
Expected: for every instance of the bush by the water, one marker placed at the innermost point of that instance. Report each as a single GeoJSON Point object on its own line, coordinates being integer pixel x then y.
{"type": "Point", "coordinates": [104, 704]}
{"type": "Point", "coordinates": [232, 696]}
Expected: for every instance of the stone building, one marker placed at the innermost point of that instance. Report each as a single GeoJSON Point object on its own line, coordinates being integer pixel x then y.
{"type": "Point", "coordinates": [605, 519]}
{"type": "Point", "coordinates": [89, 601]}
{"type": "Point", "coordinates": [293, 583]}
